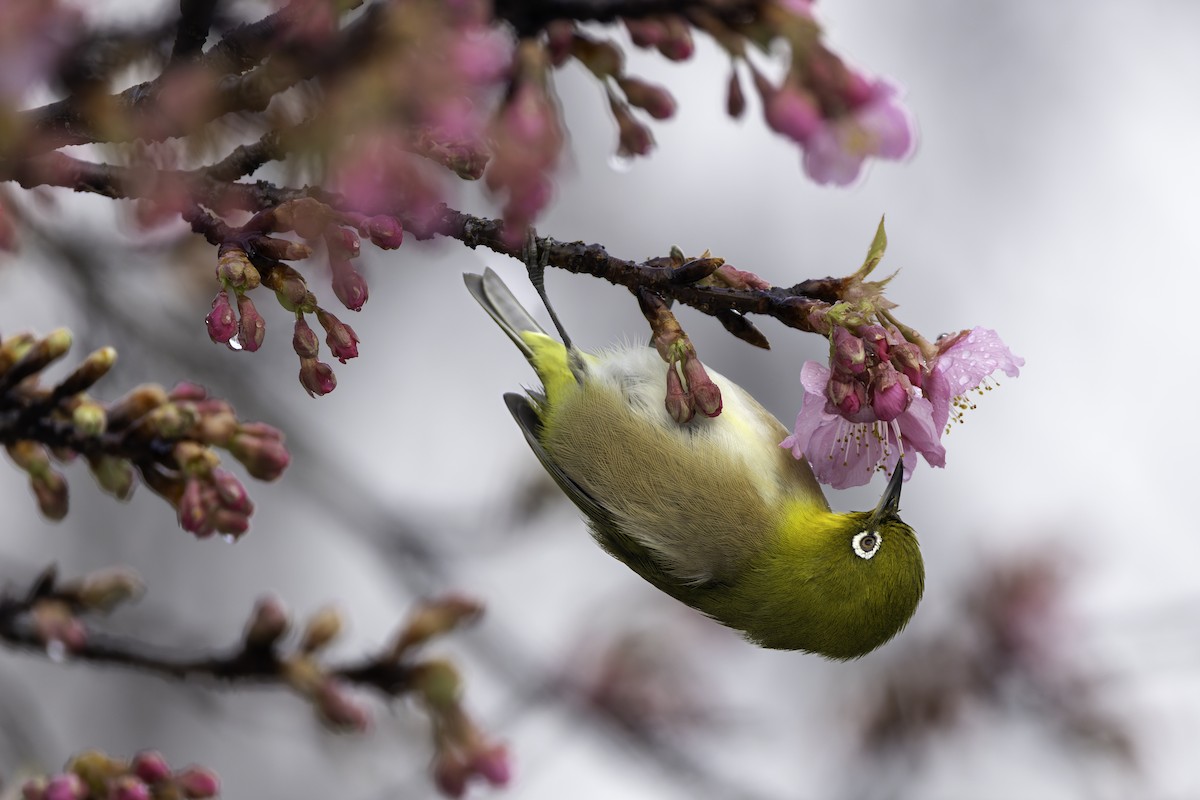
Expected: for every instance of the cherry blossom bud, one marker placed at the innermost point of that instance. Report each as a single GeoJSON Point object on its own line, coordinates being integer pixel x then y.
{"type": "Point", "coordinates": [560, 34]}
{"type": "Point", "coordinates": [50, 489]}
{"type": "Point", "coordinates": [291, 290]}
{"type": "Point", "coordinates": [317, 377]}
{"type": "Point", "coordinates": [136, 404]}
{"type": "Point", "coordinates": [677, 44]}
{"type": "Point", "coordinates": [251, 326]}
{"type": "Point", "coordinates": [268, 623]}
{"type": "Point", "coordinates": [151, 767]}
{"type": "Point", "coordinates": [602, 58]}
{"type": "Point", "coordinates": [231, 492]}
{"type": "Point", "coordinates": [341, 338]}
{"type": "Point", "coordinates": [789, 110]}
{"type": "Point", "coordinates": [385, 232]}
{"type": "Point", "coordinates": [128, 787]}
{"type": "Point", "coordinates": [848, 395]}
{"type": "Point", "coordinates": [907, 359]}
{"type": "Point", "coordinates": [876, 340]}
{"type": "Point", "coordinates": [890, 393]}
{"type": "Point", "coordinates": [647, 32]}
{"type": "Point", "coordinates": [89, 418]}
{"type": "Point", "coordinates": [67, 786]}
{"type": "Point", "coordinates": [34, 788]}
{"type": "Point", "coordinates": [103, 590]}
{"type": "Point", "coordinates": [450, 773]}
{"type": "Point", "coordinates": [92, 369]}
{"type": "Point", "coordinates": [234, 269]}
{"type": "Point", "coordinates": [322, 628]}
{"type": "Point", "coordinates": [194, 508]}
{"type": "Point", "coordinates": [633, 138]}
{"type": "Point", "coordinates": [849, 353]}
{"type": "Point", "coordinates": [186, 390]}
{"type": "Point", "coordinates": [348, 285]}
{"type": "Point", "coordinates": [439, 685]}
{"type": "Point", "coordinates": [304, 340]}
{"type": "Point", "coordinates": [307, 216]}
{"type": "Point", "coordinates": [342, 242]}
{"type": "Point", "coordinates": [493, 763]}
{"type": "Point", "coordinates": [679, 404]}
{"type": "Point", "coordinates": [654, 100]}
{"type": "Point", "coordinates": [53, 622]}
{"type": "Point", "coordinates": [114, 475]}
{"type": "Point", "coordinates": [735, 99]}
{"type": "Point", "coordinates": [435, 618]}
{"type": "Point", "coordinates": [197, 783]}
{"type": "Point", "coordinates": [705, 394]}
{"type": "Point", "coordinates": [264, 457]}
{"type": "Point", "coordinates": [338, 709]}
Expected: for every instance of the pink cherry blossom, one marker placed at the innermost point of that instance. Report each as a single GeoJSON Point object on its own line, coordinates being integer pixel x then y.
{"type": "Point", "coordinates": [879, 126]}
{"type": "Point", "coordinates": [965, 361]}
{"type": "Point", "coordinates": [844, 453]}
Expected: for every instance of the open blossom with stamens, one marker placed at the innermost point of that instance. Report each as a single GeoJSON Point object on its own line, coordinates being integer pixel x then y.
{"type": "Point", "coordinates": [844, 453]}
{"type": "Point", "coordinates": [965, 361]}
{"type": "Point", "coordinates": [846, 439]}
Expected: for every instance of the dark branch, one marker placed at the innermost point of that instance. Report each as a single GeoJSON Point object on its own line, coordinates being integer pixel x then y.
{"type": "Point", "coordinates": [195, 19]}
{"type": "Point", "coordinates": [530, 16]}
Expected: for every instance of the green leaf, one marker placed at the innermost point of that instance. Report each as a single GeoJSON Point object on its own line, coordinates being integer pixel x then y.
{"type": "Point", "coordinates": [875, 253]}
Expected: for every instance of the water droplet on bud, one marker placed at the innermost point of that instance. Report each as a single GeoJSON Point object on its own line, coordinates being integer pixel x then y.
{"type": "Point", "coordinates": [56, 651]}
{"type": "Point", "coordinates": [620, 163]}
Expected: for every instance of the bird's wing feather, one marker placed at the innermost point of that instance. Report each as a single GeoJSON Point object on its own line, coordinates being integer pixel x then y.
{"type": "Point", "coordinates": [529, 422]}
{"type": "Point", "coordinates": [608, 529]}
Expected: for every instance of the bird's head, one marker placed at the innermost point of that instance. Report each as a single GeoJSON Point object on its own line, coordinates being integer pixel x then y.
{"type": "Point", "coordinates": [837, 584]}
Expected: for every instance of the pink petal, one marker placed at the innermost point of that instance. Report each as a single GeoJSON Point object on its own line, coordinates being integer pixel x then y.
{"type": "Point", "coordinates": [964, 365]}
{"type": "Point", "coordinates": [922, 434]}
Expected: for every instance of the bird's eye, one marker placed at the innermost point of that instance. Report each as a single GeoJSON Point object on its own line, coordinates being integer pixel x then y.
{"type": "Point", "coordinates": [866, 543]}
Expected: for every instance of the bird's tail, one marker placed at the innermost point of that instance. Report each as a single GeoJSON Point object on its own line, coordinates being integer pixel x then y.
{"type": "Point", "coordinates": [560, 370]}
{"type": "Point", "coordinates": [500, 304]}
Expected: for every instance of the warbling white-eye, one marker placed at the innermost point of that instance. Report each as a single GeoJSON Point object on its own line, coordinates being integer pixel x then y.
{"type": "Point", "coordinates": [713, 511]}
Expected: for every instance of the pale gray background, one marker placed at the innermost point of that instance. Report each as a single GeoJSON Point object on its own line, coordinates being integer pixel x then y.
{"type": "Point", "coordinates": [1051, 198]}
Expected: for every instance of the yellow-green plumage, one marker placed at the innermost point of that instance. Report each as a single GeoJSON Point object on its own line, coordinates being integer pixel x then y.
{"type": "Point", "coordinates": [713, 512]}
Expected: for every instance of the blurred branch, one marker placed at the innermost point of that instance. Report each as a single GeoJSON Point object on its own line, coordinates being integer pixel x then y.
{"type": "Point", "coordinates": [70, 121]}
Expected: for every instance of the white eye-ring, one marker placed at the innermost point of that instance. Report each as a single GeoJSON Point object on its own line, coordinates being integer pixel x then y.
{"type": "Point", "coordinates": [866, 543]}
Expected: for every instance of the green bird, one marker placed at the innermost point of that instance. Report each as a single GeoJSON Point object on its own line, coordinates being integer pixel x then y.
{"type": "Point", "coordinates": [713, 512]}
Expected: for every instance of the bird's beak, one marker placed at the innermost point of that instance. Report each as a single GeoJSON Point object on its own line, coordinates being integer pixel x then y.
{"type": "Point", "coordinates": [889, 504]}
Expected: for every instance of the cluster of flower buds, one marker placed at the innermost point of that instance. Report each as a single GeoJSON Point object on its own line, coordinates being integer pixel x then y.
{"type": "Point", "coordinates": [166, 437]}
{"type": "Point", "coordinates": [462, 751]}
{"type": "Point", "coordinates": [302, 668]}
{"type": "Point", "coordinates": [92, 775]}
{"type": "Point", "coordinates": [689, 388]}
{"type": "Point", "coordinates": [874, 372]}
{"type": "Point", "coordinates": [51, 614]}
{"type": "Point", "coordinates": [604, 59]}
{"type": "Point", "coordinates": [237, 273]}
{"type": "Point", "coordinates": [887, 389]}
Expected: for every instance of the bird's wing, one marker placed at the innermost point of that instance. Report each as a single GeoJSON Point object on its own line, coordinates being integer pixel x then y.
{"type": "Point", "coordinates": [529, 422]}
{"type": "Point", "coordinates": [609, 531]}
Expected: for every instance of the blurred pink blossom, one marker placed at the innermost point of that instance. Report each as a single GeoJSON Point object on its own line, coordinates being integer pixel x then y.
{"type": "Point", "coordinates": [879, 126]}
